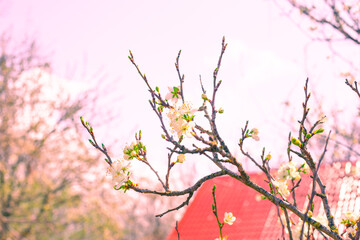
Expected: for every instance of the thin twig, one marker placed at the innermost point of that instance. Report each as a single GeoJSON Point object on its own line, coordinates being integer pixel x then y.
{"type": "Point", "coordinates": [177, 230]}
{"type": "Point", "coordinates": [315, 176]}
{"type": "Point", "coordinates": [181, 77]}
{"type": "Point", "coordinates": [354, 88]}
{"type": "Point", "coordinates": [186, 202]}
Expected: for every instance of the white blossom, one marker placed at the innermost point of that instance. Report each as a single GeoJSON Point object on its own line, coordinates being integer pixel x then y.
{"type": "Point", "coordinates": [282, 187]}
{"type": "Point", "coordinates": [288, 171]}
{"type": "Point", "coordinates": [133, 153]}
{"type": "Point", "coordinates": [181, 158]}
{"type": "Point", "coordinates": [254, 134]}
{"type": "Point", "coordinates": [229, 218]}
{"type": "Point", "coordinates": [119, 170]}
{"type": "Point", "coordinates": [174, 94]}
{"type": "Point", "coordinates": [181, 120]}
{"type": "Point", "coordinates": [129, 152]}
{"type": "Point", "coordinates": [351, 217]}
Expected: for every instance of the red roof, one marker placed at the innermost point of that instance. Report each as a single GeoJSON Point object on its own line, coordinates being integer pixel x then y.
{"type": "Point", "coordinates": [258, 219]}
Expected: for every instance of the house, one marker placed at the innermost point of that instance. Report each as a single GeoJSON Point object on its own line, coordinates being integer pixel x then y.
{"type": "Point", "coordinates": [257, 218]}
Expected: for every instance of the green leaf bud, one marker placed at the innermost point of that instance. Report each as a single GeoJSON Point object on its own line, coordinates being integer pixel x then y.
{"type": "Point", "coordinates": [204, 97]}
{"type": "Point", "coordinates": [296, 141]}
{"type": "Point", "coordinates": [320, 130]}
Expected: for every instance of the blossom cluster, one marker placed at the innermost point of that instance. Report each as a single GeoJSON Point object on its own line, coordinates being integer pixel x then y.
{"type": "Point", "coordinates": [349, 219]}
{"type": "Point", "coordinates": [297, 227]}
{"type": "Point", "coordinates": [288, 171]}
{"type": "Point", "coordinates": [282, 187]}
{"type": "Point", "coordinates": [134, 150]}
{"type": "Point", "coordinates": [181, 116]}
{"type": "Point", "coordinates": [120, 169]}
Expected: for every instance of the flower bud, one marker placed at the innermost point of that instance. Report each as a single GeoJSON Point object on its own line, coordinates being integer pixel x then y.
{"type": "Point", "coordinates": [204, 97]}
{"type": "Point", "coordinates": [181, 158]}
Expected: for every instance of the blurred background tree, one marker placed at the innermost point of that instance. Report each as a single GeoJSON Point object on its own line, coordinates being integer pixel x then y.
{"type": "Point", "coordinates": [334, 20]}
{"type": "Point", "coordinates": [52, 184]}
{"type": "Point", "coordinates": [45, 167]}
{"type": "Point", "coordinates": [337, 24]}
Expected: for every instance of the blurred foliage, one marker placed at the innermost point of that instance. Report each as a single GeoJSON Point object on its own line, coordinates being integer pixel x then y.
{"type": "Point", "coordinates": [333, 20]}
{"type": "Point", "coordinates": [45, 167]}
{"type": "Point", "coordinates": [333, 23]}
{"type": "Point", "coordinates": [52, 186]}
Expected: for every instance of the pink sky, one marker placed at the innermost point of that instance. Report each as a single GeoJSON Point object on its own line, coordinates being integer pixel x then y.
{"type": "Point", "coordinates": [266, 63]}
